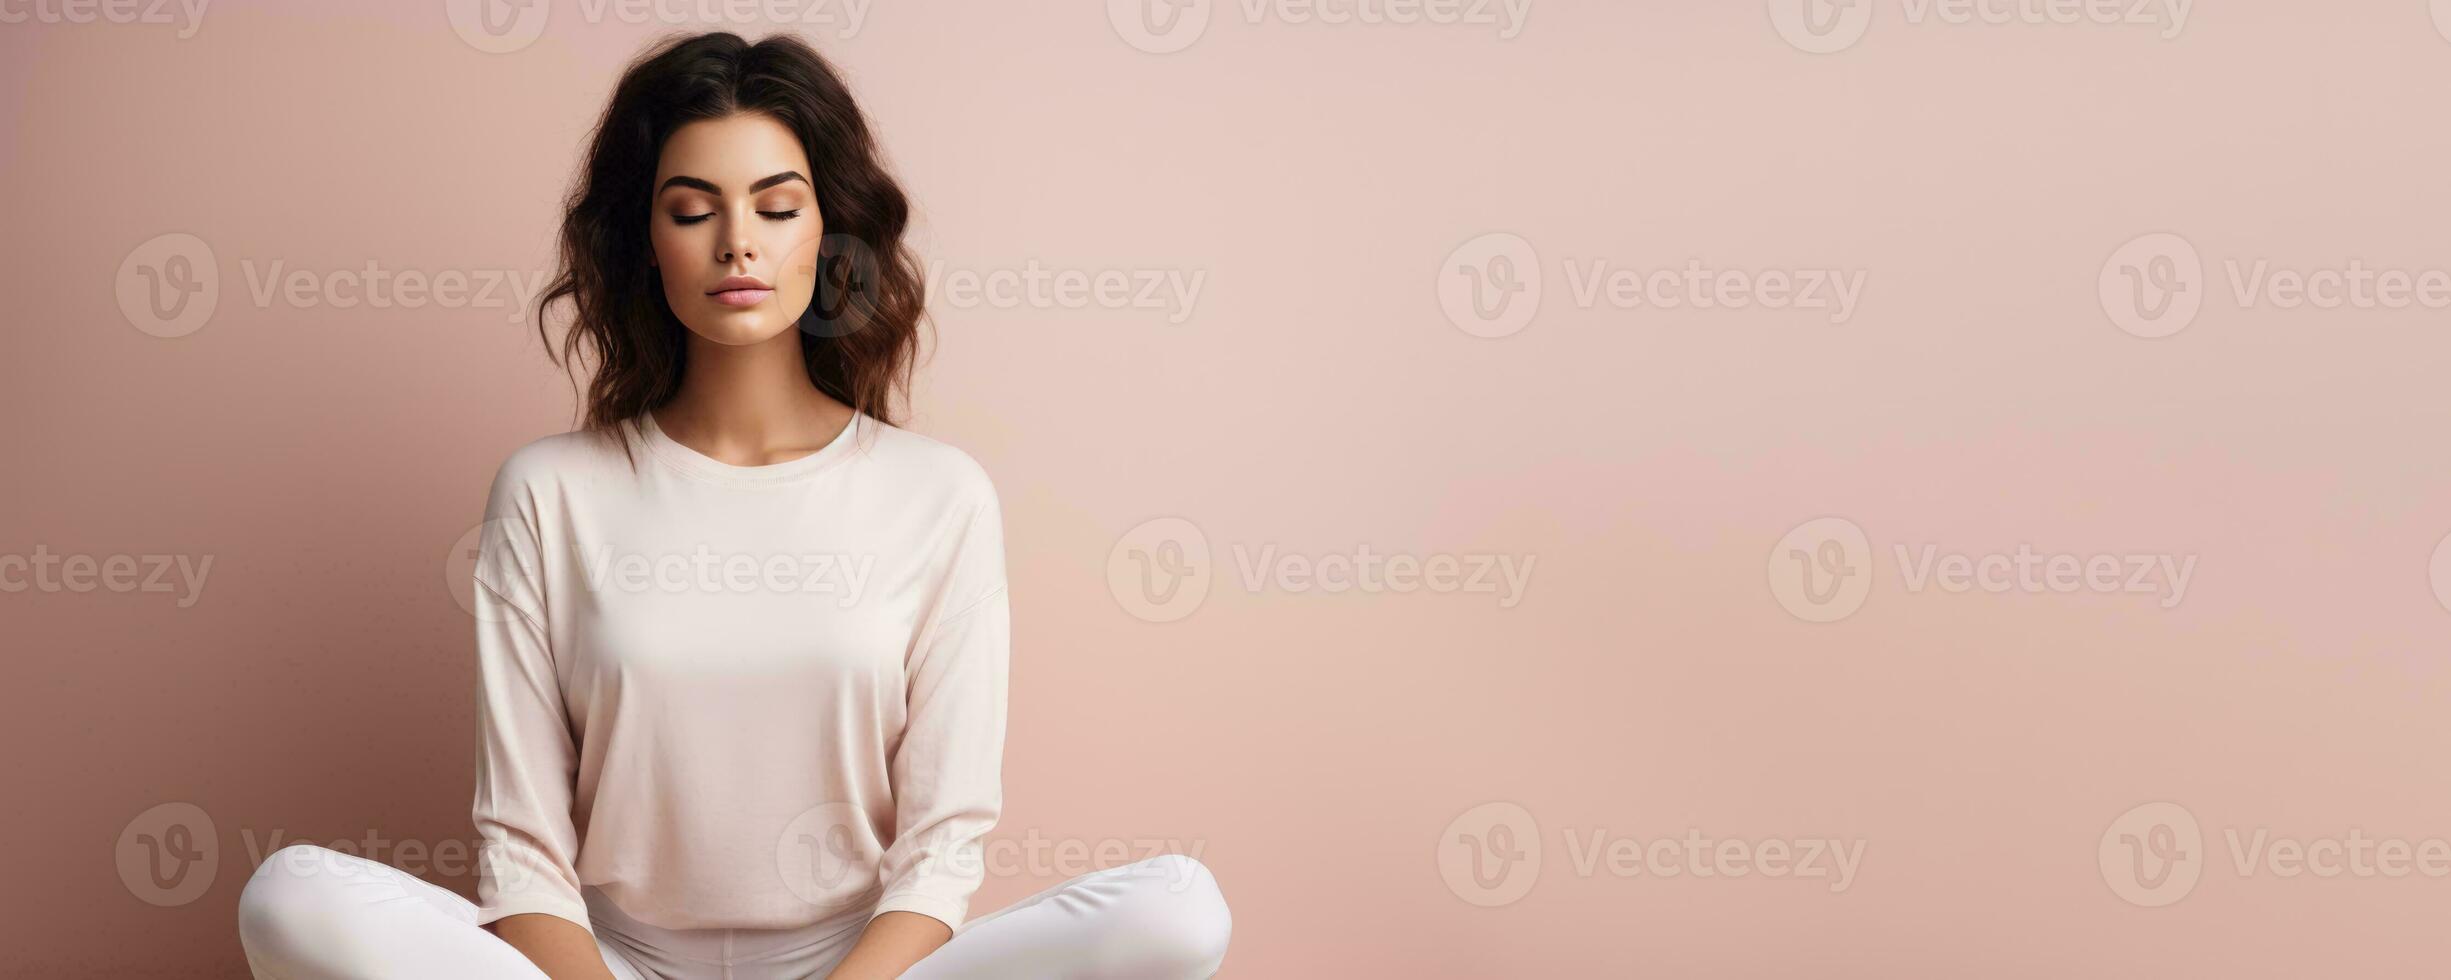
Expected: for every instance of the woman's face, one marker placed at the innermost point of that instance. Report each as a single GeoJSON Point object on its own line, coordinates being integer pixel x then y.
{"type": "Point", "coordinates": [733, 202]}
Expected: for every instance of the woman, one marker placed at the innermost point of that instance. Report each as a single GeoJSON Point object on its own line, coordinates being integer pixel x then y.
{"type": "Point", "coordinates": [742, 644]}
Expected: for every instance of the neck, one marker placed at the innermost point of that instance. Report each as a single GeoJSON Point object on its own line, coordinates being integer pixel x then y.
{"type": "Point", "coordinates": [751, 403]}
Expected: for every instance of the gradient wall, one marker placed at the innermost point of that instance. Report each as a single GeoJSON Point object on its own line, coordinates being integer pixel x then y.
{"type": "Point", "coordinates": [1557, 489]}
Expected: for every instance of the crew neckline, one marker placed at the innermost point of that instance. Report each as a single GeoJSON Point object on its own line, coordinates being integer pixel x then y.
{"type": "Point", "coordinates": [702, 466]}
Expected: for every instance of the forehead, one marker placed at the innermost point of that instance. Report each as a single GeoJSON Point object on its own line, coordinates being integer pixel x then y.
{"type": "Point", "coordinates": [731, 151]}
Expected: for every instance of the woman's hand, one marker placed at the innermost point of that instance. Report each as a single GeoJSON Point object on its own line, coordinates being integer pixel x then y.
{"type": "Point", "coordinates": [890, 945]}
{"type": "Point", "coordinates": [558, 946]}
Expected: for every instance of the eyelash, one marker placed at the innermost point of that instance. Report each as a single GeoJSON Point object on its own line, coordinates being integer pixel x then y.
{"type": "Point", "coordinates": [691, 219]}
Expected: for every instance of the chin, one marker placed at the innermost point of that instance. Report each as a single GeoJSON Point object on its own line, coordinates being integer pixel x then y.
{"type": "Point", "coordinates": [737, 331]}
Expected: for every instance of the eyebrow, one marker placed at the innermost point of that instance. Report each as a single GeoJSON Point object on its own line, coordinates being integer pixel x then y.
{"type": "Point", "coordinates": [709, 186]}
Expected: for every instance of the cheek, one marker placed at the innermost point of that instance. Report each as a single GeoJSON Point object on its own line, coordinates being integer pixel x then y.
{"type": "Point", "coordinates": [681, 264]}
{"type": "Point", "coordinates": [671, 255]}
{"type": "Point", "coordinates": [798, 272]}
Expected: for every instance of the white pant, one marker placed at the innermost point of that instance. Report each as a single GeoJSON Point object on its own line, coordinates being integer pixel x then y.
{"type": "Point", "coordinates": [312, 913]}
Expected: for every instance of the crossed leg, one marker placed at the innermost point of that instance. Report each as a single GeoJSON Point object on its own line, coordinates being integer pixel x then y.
{"type": "Point", "coordinates": [312, 913]}
{"type": "Point", "coordinates": [1159, 918]}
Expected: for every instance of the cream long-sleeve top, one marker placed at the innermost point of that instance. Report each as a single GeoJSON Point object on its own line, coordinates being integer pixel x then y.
{"type": "Point", "coordinates": [735, 696]}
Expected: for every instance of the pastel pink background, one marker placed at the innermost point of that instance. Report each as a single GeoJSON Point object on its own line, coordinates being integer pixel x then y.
{"type": "Point", "coordinates": [1316, 747]}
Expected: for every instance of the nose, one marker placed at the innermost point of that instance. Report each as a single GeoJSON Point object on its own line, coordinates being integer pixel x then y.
{"type": "Point", "coordinates": [737, 243]}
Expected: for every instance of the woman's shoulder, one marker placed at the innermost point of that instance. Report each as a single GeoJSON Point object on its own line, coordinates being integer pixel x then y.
{"type": "Point", "coordinates": [560, 456]}
{"type": "Point", "coordinates": [927, 461]}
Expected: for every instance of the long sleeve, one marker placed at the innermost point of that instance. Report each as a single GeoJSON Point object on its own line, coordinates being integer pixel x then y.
{"type": "Point", "coordinates": [525, 755]}
{"type": "Point", "coordinates": [947, 771]}
{"type": "Point", "coordinates": [679, 658]}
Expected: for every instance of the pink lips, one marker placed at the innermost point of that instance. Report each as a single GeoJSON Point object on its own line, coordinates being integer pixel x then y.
{"type": "Point", "coordinates": [741, 297]}
{"type": "Point", "coordinates": [741, 291]}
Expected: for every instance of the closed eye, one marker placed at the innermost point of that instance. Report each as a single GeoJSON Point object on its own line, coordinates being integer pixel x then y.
{"type": "Point", "coordinates": [691, 219]}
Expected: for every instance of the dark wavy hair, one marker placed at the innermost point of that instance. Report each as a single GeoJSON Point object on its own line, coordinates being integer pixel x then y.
{"type": "Point", "coordinates": [861, 332]}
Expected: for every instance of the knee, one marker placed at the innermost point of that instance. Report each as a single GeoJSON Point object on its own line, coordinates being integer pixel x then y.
{"type": "Point", "coordinates": [1176, 923]}
{"type": "Point", "coordinates": [291, 900]}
